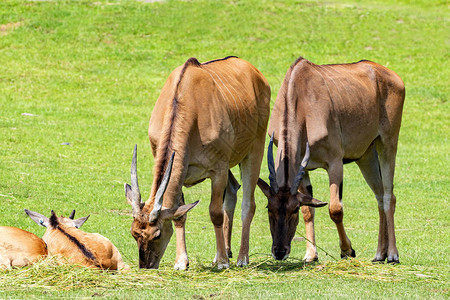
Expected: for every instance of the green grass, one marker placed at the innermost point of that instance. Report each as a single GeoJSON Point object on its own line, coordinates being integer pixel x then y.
{"type": "Point", "coordinates": [90, 73]}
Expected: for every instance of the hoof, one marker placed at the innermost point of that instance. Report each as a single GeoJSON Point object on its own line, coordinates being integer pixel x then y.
{"type": "Point", "coordinates": [223, 266]}
{"type": "Point", "coordinates": [378, 260]}
{"type": "Point", "coordinates": [230, 254]}
{"type": "Point", "coordinates": [242, 262]}
{"type": "Point", "coordinates": [353, 254]}
{"type": "Point", "coordinates": [181, 266]}
{"type": "Point", "coordinates": [310, 260]}
{"type": "Point", "coordinates": [393, 259]}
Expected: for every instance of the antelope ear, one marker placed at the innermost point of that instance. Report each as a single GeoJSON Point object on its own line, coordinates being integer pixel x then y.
{"type": "Point", "coordinates": [178, 212]}
{"type": "Point", "coordinates": [37, 217]}
{"type": "Point", "coordinates": [265, 188]}
{"type": "Point", "coordinates": [79, 222]}
{"type": "Point", "coordinates": [309, 201]}
{"type": "Point", "coordinates": [128, 193]}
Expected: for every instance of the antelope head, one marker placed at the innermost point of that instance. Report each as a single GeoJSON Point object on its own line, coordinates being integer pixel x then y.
{"type": "Point", "coordinates": [152, 230]}
{"type": "Point", "coordinates": [44, 221]}
{"type": "Point", "coordinates": [284, 204]}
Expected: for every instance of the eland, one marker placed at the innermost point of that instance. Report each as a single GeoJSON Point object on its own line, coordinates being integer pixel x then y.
{"type": "Point", "coordinates": [325, 116]}
{"type": "Point", "coordinates": [208, 118]}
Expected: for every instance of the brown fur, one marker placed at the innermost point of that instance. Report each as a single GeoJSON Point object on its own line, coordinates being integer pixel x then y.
{"type": "Point", "coordinates": [213, 116]}
{"type": "Point", "coordinates": [79, 247]}
{"type": "Point", "coordinates": [104, 254]}
{"type": "Point", "coordinates": [19, 248]}
{"type": "Point", "coordinates": [347, 112]}
{"type": "Point", "coordinates": [64, 239]}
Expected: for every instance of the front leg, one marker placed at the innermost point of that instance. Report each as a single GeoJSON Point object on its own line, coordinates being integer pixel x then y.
{"type": "Point", "coordinates": [181, 260]}
{"type": "Point", "coordinates": [335, 174]}
{"type": "Point", "coordinates": [218, 185]}
{"type": "Point", "coordinates": [308, 217]}
{"type": "Point", "coordinates": [311, 250]}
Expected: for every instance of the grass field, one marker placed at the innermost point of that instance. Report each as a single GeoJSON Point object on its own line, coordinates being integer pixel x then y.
{"type": "Point", "coordinates": [78, 81]}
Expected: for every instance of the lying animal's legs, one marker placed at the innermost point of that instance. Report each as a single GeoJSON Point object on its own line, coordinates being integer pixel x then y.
{"type": "Point", "coordinates": [229, 204]}
{"type": "Point", "coordinates": [308, 216]}
{"type": "Point", "coordinates": [250, 168]}
{"type": "Point", "coordinates": [370, 168]}
{"type": "Point", "coordinates": [335, 175]}
{"type": "Point", "coordinates": [5, 262]}
{"type": "Point", "coordinates": [218, 185]}
{"type": "Point", "coordinates": [387, 149]}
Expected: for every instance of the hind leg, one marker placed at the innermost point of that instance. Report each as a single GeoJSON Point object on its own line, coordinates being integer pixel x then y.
{"type": "Point", "coordinates": [216, 213]}
{"type": "Point", "coordinates": [229, 205]}
{"type": "Point", "coordinates": [386, 145]}
{"type": "Point", "coordinates": [387, 148]}
{"type": "Point", "coordinates": [250, 168]}
{"type": "Point", "coordinates": [370, 168]}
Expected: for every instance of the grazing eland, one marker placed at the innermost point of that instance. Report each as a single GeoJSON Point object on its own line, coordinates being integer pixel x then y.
{"type": "Point", "coordinates": [331, 115]}
{"type": "Point", "coordinates": [208, 118]}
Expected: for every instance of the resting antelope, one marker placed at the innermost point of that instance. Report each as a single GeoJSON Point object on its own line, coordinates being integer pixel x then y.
{"type": "Point", "coordinates": [208, 118]}
{"type": "Point", "coordinates": [19, 248]}
{"type": "Point", "coordinates": [346, 112]}
{"type": "Point", "coordinates": [63, 237]}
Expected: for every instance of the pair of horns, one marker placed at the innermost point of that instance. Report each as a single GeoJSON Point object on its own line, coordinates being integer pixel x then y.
{"type": "Point", "coordinates": [273, 175]}
{"type": "Point", "coordinates": [136, 194]}
{"type": "Point", "coordinates": [72, 214]}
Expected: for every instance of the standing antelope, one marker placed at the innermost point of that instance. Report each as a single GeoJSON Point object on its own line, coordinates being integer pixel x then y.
{"type": "Point", "coordinates": [63, 237]}
{"type": "Point", "coordinates": [208, 118]}
{"type": "Point", "coordinates": [19, 248]}
{"type": "Point", "coordinates": [346, 112]}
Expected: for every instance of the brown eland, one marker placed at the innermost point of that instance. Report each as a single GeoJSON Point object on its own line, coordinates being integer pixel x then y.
{"type": "Point", "coordinates": [208, 118]}
{"type": "Point", "coordinates": [325, 116]}
{"type": "Point", "coordinates": [64, 238]}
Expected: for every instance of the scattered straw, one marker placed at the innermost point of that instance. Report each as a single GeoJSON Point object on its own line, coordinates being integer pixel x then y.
{"type": "Point", "coordinates": [48, 274]}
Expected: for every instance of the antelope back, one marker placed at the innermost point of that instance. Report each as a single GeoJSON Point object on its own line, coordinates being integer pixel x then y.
{"type": "Point", "coordinates": [79, 247]}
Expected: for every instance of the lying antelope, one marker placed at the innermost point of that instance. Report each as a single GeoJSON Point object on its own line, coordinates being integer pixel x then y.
{"type": "Point", "coordinates": [19, 248]}
{"type": "Point", "coordinates": [346, 112]}
{"type": "Point", "coordinates": [208, 118]}
{"type": "Point", "coordinates": [63, 237]}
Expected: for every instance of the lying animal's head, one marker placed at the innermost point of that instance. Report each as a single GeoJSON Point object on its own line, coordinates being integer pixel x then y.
{"type": "Point", "coordinates": [44, 221]}
{"type": "Point", "coordinates": [284, 205]}
{"type": "Point", "coordinates": [152, 230]}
